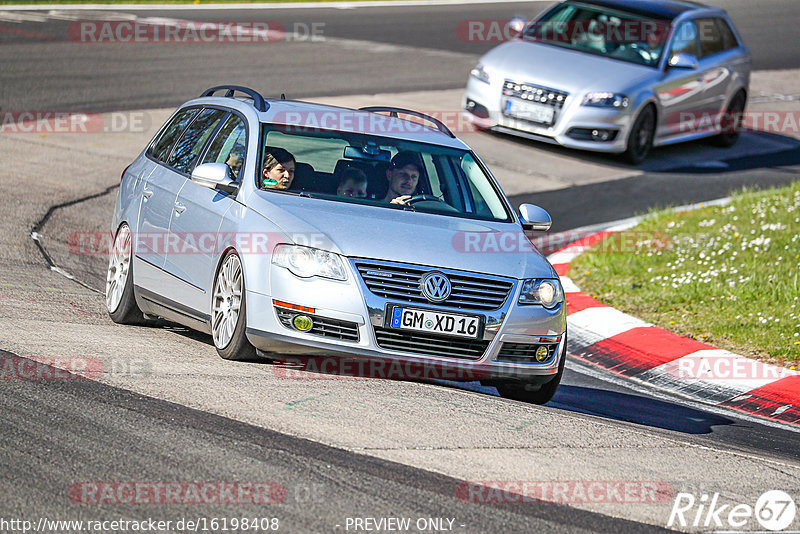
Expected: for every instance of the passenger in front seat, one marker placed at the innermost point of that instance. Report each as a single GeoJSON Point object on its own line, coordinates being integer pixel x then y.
{"type": "Point", "coordinates": [278, 170]}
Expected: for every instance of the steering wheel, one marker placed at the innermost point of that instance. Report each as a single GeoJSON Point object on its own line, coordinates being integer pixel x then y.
{"type": "Point", "coordinates": [422, 198]}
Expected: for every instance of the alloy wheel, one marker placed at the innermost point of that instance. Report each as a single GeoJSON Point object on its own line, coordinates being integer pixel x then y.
{"type": "Point", "coordinates": [227, 301]}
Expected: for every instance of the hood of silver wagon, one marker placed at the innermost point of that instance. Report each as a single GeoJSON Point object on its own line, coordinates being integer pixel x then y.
{"type": "Point", "coordinates": [374, 232]}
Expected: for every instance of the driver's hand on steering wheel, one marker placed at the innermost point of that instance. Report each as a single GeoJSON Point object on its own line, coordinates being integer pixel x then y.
{"type": "Point", "coordinates": [400, 200]}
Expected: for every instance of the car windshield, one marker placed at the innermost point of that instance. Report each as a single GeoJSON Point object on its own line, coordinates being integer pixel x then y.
{"type": "Point", "coordinates": [603, 32]}
{"type": "Point", "coordinates": [375, 170]}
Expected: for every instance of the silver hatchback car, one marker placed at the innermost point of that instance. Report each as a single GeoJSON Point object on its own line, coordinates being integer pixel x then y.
{"type": "Point", "coordinates": [618, 76]}
{"type": "Point", "coordinates": [289, 228]}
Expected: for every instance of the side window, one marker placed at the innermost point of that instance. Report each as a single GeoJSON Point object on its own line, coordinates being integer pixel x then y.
{"type": "Point", "coordinates": [685, 40]}
{"type": "Point", "coordinates": [433, 176]}
{"type": "Point", "coordinates": [194, 138]}
{"type": "Point", "coordinates": [161, 146]}
{"type": "Point", "coordinates": [728, 37]}
{"type": "Point", "coordinates": [229, 146]}
{"type": "Point", "coordinates": [487, 202]}
{"type": "Point", "coordinates": [710, 37]}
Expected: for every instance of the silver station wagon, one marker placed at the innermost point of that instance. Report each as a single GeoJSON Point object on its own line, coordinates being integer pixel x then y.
{"type": "Point", "coordinates": [290, 228]}
{"type": "Point", "coordinates": [617, 76]}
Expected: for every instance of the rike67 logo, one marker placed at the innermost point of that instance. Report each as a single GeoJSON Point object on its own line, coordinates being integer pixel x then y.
{"type": "Point", "coordinates": [774, 511]}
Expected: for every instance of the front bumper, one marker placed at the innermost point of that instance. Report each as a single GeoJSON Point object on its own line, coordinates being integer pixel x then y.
{"type": "Point", "coordinates": [483, 104]}
{"type": "Point", "coordinates": [353, 318]}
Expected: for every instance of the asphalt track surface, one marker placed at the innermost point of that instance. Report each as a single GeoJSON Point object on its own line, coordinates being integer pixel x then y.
{"type": "Point", "coordinates": [56, 433]}
{"type": "Point", "coordinates": [380, 49]}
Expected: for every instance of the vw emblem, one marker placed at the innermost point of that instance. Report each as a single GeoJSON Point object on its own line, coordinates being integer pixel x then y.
{"type": "Point", "coordinates": [435, 286]}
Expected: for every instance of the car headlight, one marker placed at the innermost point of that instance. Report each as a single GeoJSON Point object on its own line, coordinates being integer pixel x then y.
{"type": "Point", "coordinates": [306, 262]}
{"type": "Point", "coordinates": [481, 73]}
{"type": "Point", "coordinates": [546, 292]}
{"type": "Point", "coordinates": [606, 100]}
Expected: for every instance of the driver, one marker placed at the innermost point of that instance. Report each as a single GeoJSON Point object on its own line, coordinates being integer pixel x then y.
{"type": "Point", "coordinates": [403, 176]}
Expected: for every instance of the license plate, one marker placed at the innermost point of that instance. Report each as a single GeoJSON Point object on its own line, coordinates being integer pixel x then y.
{"type": "Point", "coordinates": [435, 322]}
{"type": "Point", "coordinates": [530, 111]}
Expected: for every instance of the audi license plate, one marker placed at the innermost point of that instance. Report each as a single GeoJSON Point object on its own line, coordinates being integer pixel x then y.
{"type": "Point", "coordinates": [530, 111]}
{"type": "Point", "coordinates": [435, 322]}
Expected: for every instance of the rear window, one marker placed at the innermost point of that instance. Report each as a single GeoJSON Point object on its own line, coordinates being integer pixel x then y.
{"type": "Point", "coordinates": [728, 37]}
{"type": "Point", "coordinates": [193, 139]}
{"type": "Point", "coordinates": [161, 147]}
{"type": "Point", "coordinates": [711, 41]}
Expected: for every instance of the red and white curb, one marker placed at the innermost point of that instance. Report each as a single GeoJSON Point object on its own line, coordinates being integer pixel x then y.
{"type": "Point", "coordinates": [632, 348]}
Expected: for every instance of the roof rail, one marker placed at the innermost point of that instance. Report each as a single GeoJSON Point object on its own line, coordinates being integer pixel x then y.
{"type": "Point", "coordinates": [394, 111]}
{"type": "Point", "coordinates": [258, 100]}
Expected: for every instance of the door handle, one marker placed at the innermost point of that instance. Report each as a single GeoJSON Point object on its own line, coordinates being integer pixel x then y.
{"type": "Point", "coordinates": [180, 208]}
{"type": "Point", "coordinates": [146, 193]}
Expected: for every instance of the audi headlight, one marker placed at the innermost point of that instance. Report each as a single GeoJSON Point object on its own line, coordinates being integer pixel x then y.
{"type": "Point", "coordinates": [546, 292]}
{"type": "Point", "coordinates": [480, 72]}
{"type": "Point", "coordinates": [606, 100]}
{"type": "Point", "coordinates": [306, 262]}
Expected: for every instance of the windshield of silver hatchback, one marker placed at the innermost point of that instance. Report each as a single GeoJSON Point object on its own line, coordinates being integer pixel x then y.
{"type": "Point", "coordinates": [608, 33]}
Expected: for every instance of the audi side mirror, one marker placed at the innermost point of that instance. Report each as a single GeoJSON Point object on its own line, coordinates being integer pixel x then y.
{"type": "Point", "coordinates": [683, 61]}
{"type": "Point", "coordinates": [515, 26]}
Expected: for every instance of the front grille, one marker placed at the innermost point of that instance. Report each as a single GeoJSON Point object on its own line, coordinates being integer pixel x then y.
{"type": "Point", "coordinates": [524, 353]}
{"type": "Point", "coordinates": [535, 93]}
{"type": "Point", "coordinates": [323, 326]}
{"type": "Point", "coordinates": [430, 344]}
{"type": "Point", "coordinates": [402, 283]}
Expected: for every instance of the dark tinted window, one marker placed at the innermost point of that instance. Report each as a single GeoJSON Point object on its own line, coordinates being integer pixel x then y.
{"type": "Point", "coordinates": [194, 138]}
{"type": "Point", "coordinates": [161, 146]}
{"type": "Point", "coordinates": [710, 37]}
{"type": "Point", "coordinates": [728, 37]}
{"type": "Point", "coordinates": [685, 40]}
{"type": "Point", "coordinates": [229, 146]}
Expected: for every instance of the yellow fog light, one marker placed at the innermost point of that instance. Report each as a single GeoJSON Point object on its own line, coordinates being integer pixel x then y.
{"type": "Point", "coordinates": [302, 323]}
{"type": "Point", "coordinates": [541, 354]}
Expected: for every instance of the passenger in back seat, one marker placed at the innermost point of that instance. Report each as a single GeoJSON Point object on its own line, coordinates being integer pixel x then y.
{"type": "Point", "coordinates": [353, 184]}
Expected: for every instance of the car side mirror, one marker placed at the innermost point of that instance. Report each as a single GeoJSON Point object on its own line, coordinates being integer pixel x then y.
{"type": "Point", "coordinates": [683, 61]}
{"type": "Point", "coordinates": [214, 176]}
{"type": "Point", "coordinates": [534, 218]}
{"type": "Point", "coordinates": [515, 26]}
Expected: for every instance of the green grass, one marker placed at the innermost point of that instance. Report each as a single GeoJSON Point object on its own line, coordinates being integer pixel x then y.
{"type": "Point", "coordinates": [728, 276]}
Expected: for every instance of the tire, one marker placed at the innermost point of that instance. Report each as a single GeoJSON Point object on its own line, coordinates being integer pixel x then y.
{"type": "Point", "coordinates": [120, 302]}
{"type": "Point", "coordinates": [229, 312]}
{"type": "Point", "coordinates": [533, 393]}
{"type": "Point", "coordinates": [640, 140]}
{"type": "Point", "coordinates": [731, 122]}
